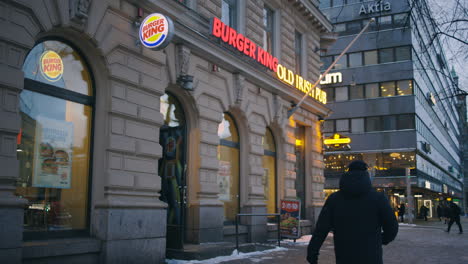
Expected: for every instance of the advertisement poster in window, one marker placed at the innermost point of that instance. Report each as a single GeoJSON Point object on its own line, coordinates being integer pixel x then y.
{"type": "Point", "coordinates": [224, 180]}
{"type": "Point", "coordinates": [290, 216]}
{"type": "Point", "coordinates": [52, 153]}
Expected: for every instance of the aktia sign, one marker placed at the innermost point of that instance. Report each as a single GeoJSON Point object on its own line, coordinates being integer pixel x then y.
{"type": "Point", "coordinates": [379, 6]}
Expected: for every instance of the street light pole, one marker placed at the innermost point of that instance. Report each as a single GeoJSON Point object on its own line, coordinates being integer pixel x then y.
{"type": "Point", "coordinates": [409, 198]}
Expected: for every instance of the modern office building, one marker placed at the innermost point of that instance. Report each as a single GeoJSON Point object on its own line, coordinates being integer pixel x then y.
{"type": "Point", "coordinates": [118, 144]}
{"type": "Point", "coordinates": [395, 101]}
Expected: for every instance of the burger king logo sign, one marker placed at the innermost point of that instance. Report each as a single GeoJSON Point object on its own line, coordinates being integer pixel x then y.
{"type": "Point", "coordinates": [51, 66]}
{"type": "Point", "coordinates": [156, 31]}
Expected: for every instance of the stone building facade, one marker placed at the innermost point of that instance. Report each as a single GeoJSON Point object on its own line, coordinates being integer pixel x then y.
{"type": "Point", "coordinates": [118, 163]}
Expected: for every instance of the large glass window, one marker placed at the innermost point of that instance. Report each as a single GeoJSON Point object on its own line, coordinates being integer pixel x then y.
{"type": "Point", "coordinates": [401, 20]}
{"type": "Point", "coordinates": [53, 149]}
{"type": "Point", "coordinates": [356, 92]}
{"type": "Point", "coordinates": [370, 57]}
{"type": "Point", "coordinates": [373, 124]}
{"type": "Point", "coordinates": [329, 126]}
{"type": "Point", "coordinates": [341, 93]}
{"type": "Point", "coordinates": [341, 63]}
{"type": "Point", "coordinates": [353, 27]}
{"type": "Point", "coordinates": [228, 172]}
{"type": "Point", "coordinates": [386, 55]}
{"type": "Point", "coordinates": [269, 171]}
{"type": "Point", "coordinates": [385, 22]}
{"type": "Point", "coordinates": [355, 59]}
{"type": "Point", "coordinates": [403, 53]}
{"type": "Point", "coordinates": [357, 125]}
{"type": "Point", "coordinates": [268, 30]}
{"type": "Point", "coordinates": [372, 90]}
{"type": "Point", "coordinates": [406, 121]}
{"type": "Point", "coordinates": [342, 125]}
{"type": "Point", "coordinates": [387, 89]}
{"type": "Point", "coordinates": [338, 28]}
{"type": "Point", "coordinates": [404, 87]}
{"type": "Point", "coordinates": [298, 52]}
{"type": "Point", "coordinates": [330, 94]}
{"type": "Point", "coordinates": [229, 13]}
{"type": "Point", "coordinates": [389, 123]}
{"type": "Point", "coordinates": [326, 62]}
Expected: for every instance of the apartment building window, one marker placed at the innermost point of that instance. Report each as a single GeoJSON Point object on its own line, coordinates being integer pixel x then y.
{"type": "Point", "coordinates": [370, 57]}
{"type": "Point", "coordinates": [268, 21]}
{"type": "Point", "coordinates": [356, 92]}
{"type": "Point", "coordinates": [341, 93]}
{"type": "Point", "coordinates": [329, 126]}
{"type": "Point", "coordinates": [355, 59]}
{"type": "Point", "coordinates": [400, 20]}
{"type": "Point", "coordinates": [404, 87]}
{"type": "Point", "coordinates": [372, 124]}
{"type": "Point", "coordinates": [342, 125]}
{"type": "Point", "coordinates": [389, 123]}
{"type": "Point", "coordinates": [385, 55]}
{"type": "Point", "coordinates": [387, 89]}
{"type": "Point", "coordinates": [342, 63]}
{"type": "Point", "coordinates": [330, 94]}
{"type": "Point", "coordinates": [353, 27]}
{"type": "Point", "coordinates": [372, 90]}
{"type": "Point", "coordinates": [326, 62]}
{"type": "Point", "coordinates": [229, 13]}
{"type": "Point", "coordinates": [357, 125]}
{"type": "Point", "coordinates": [298, 51]}
{"type": "Point", "coordinates": [403, 53]}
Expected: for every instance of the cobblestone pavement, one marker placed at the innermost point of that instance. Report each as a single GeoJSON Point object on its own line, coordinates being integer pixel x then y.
{"type": "Point", "coordinates": [425, 242]}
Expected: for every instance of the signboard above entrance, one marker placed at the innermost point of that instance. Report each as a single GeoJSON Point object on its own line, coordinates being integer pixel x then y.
{"type": "Point", "coordinates": [246, 46]}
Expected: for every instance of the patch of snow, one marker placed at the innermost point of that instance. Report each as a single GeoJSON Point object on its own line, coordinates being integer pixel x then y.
{"type": "Point", "coordinates": [234, 256]}
{"type": "Point", "coordinates": [405, 224]}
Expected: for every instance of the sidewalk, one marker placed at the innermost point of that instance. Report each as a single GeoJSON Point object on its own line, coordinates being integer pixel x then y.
{"type": "Point", "coordinates": [435, 223]}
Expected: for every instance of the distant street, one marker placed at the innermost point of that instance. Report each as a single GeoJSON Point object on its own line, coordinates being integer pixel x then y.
{"type": "Point", "coordinates": [424, 243]}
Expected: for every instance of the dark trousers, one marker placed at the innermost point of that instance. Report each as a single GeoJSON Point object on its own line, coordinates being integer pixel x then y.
{"type": "Point", "coordinates": [401, 218]}
{"type": "Point", "coordinates": [456, 220]}
{"type": "Point", "coordinates": [425, 217]}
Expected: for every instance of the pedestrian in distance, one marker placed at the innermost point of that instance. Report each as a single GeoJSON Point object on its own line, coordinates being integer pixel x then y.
{"type": "Point", "coordinates": [454, 216]}
{"type": "Point", "coordinates": [423, 211]}
{"type": "Point", "coordinates": [401, 212]}
{"type": "Point", "coordinates": [439, 212]}
{"type": "Point", "coordinates": [446, 211]}
{"type": "Point", "coordinates": [360, 218]}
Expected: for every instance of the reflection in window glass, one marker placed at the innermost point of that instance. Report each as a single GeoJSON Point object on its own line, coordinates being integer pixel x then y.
{"type": "Point", "coordinates": [54, 162]}
{"type": "Point", "coordinates": [403, 53]}
{"type": "Point", "coordinates": [406, 121]}
{"type": "Point", "coordinates": [389, 123]}
{"type": "Point", "coordinates": [268, 16]}
{"type": "Point", "coordinates": [356, 92]}
{"type": "Point", "coordinates": [341, 93]}
{"type": "Point", "coordinates": [269, 169]}
{"type": "Point", "coordinates": [228, 172]}
{"type": "Point", "coordinates": [386, 55]}
{"type": "Point", "coordinates": [342, 125]}
{"type": "Point", "coordinates": [401, 20]}
{"type": "Point", "coordinates": [357, 125]}
{"type": "Point", "coordinates": [335, 165]}
{"type": "Point", "coordinates": [387, 89]}
{"type": "Point", "coordinates": [75, 76]}
{"type": "Point", "coordinates": [372, 90]}
{"type": "Point", "coordinates": [373, 124]}
{"type": "Point", "coordinates": [339, 28]}
{"type": "Point", "coordinates": [370, 57]}
{"type": "Point", "coordinates": [228, 13]}
{"type": "Point", "coordinates": [355, 59]}
{"type": "Point", "coordinates": [172, 111]}
{"type": "Point", "coordinates": [385, 22]}
{"type": "Point", "coordinates": [353, 27]}
{"type": "Point", "coordinates": [405, 87]}
{"type": "Point", "coordinates": [326, 62]}
{"type": "Point", "coordinates": [341, 63]}
{"type": "Point", "coordinates": [330, 94]}
{"type": "Point", "coordinates": [329, 126]}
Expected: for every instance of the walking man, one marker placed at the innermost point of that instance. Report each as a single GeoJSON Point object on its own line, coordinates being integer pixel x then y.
{"type": "Point", "coordinates": [454, 215]}
{"type": "Point", "coordinates": [439, 212]}
{"type": "Point", "coordinates": [360, 218]}
{"type": "Point", "coordinates": [401, 212]}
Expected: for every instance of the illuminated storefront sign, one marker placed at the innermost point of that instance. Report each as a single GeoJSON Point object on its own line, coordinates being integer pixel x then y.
{"type": "Point", "coordinates": [335, 77]}
{"type": "Point", "coordinates": [243, 44]}
{"type": "Point", "coordinates": [156, 31]}
{"type": "Point", "coordinates": [376, 7]}
{"type": "Point", "coordinates": [51, 66]}
{"type": "Point", "coordinates": [337, 140]}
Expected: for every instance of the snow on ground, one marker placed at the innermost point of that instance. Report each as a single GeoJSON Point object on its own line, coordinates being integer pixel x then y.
{"type": "Point", "coordinates": [405, 224]}
{"type": "Point", "coordinates": [234, 256]}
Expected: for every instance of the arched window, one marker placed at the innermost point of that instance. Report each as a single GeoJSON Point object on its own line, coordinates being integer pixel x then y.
{"type": "Point", "coordinates": [56, 108]}
{"type": "Point", "coordinates": [228, 173]}
{"type": "Point", "coordinates": [269, 167]}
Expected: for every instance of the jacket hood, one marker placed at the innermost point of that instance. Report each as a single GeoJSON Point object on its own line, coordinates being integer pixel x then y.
{"type": "Point", "coordinates": [355, 183]}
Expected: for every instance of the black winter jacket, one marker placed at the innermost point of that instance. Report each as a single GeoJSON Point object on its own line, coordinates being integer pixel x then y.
{"type": "Point", "coordinates": [361, 220]}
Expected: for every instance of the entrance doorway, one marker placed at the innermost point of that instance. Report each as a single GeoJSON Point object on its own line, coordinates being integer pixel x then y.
{"type": "Point", "coordinates": [172, 169]}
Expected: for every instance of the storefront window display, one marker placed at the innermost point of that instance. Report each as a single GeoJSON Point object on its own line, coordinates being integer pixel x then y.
{"type": "Point", "coordinates": [269, 167]}
{"type": "Point", "coordinates": [54, 142]}
{"type": "Point", "coordinates": [228, 173]}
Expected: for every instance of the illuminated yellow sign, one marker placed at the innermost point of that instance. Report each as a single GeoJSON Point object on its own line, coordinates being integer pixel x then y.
{"type": "Point", "coordinates": [337, 140]}
{"type": "Point", "coordinates": [295, 80]}
{"type": "Point", "coordinates": [335, 77]}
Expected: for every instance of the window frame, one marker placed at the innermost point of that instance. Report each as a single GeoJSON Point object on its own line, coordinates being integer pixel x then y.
{"type": "Point", "coordinates": [233, 14]}
{"type": "Point", "coordinates": [89, 100]}
{"type": "Point", "coordinates": [269, 29]}
{"type": "Point", "coordinates": [298, 52]}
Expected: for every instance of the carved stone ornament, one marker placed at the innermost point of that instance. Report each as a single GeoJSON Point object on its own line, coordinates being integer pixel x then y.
{"type": "Point", "coordinates": [183, 58]}
{"type": "Point", "coordinates": [79, 10]}
{"type": "Point", "coordinates": [239, 82]}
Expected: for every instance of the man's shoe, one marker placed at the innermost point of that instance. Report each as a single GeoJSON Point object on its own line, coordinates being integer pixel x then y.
{"type": "Point", "coordinates": [447, 231]}
{"type": "Point", "coordinates": [460, 233]}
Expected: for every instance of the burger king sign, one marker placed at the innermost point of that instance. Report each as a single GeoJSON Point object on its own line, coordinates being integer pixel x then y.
{"type": "Point", "coordinates": [51, 66]}
{"type": "Point", "coordinates": [156, 31]}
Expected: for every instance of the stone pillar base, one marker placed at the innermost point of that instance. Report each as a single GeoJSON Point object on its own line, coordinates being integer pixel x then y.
{"type": "Point", "coordinates": [205, 224]}
{"type": "Point", "coordinates": [131, 235]}
{"type": "Point", "coordinates": [11, 230]}
{"type": "Point", "coordinates": [312, 215]}
{"type": "Point", "coordinates": [257, 225]}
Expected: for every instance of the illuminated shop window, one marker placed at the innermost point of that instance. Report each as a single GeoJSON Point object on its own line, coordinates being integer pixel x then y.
{"type": "Point", "coordinates": [56, 109]}
{"type": "Point", "coordinates": [404, 87]}
{"type": "Point", "coordinates": [387, 89]}
{"type": "Point", "coordinates": [269, 168]}
{"type": "Point", "coordinates": [228, 172]}
{"type": "Point", "coordinates": [229, 13]}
